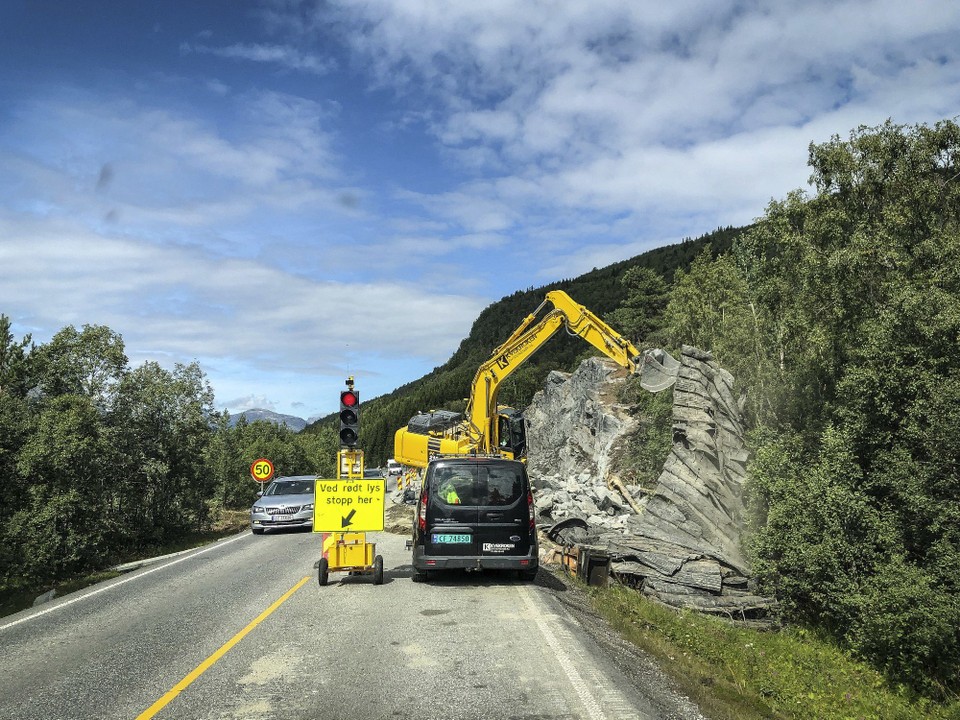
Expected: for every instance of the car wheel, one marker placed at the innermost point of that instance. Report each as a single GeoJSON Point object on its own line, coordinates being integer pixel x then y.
{"type": "Point", "coordinates": [323, 571]}
{"type": "Point", "coordinates": [257, 531]}
{"type": "Point", "coordinates": [419, 576]}
{"type": "Point", "coordinates": [527, 575]}
{"type": "Point", "coordinates": [378, 570]}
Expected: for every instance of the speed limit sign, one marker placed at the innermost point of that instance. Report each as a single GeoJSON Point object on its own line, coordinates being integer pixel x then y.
{"type": "Point", "coordinates": [261, 470]}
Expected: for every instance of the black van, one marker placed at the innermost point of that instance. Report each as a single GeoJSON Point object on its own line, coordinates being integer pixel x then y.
{"type": "Point", "coordinates": [475, 513]}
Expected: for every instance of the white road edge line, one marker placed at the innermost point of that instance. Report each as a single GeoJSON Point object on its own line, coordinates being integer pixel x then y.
{"type": "Point", "coordinates": [590, 703]}
{"type": "Point", "coordinates": [84, 596]}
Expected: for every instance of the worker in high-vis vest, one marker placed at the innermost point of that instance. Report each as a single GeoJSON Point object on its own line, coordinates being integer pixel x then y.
{"type": "Point", "coordinates": [449, 494]}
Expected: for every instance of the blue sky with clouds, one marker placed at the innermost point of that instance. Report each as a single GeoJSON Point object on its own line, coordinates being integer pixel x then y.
{"type": "Point", "coordinates": [293, 192]}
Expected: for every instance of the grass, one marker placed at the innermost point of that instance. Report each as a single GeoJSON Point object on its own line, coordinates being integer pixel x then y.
{"type": "Point", "coordinates": [738, 673]}
{"type": "Point", "coordinates": [226, 522]}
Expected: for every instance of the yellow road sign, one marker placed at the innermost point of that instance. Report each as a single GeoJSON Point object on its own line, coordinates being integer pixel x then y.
{"type": "Point", "coordinates": [349, 505]}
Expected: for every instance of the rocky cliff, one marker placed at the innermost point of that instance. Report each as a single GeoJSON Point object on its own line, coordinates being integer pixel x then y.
{"type": "Point", "coordinates": [679, 543]}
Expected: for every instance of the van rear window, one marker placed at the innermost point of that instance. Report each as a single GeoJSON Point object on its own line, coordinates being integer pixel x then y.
{"type": "Point", "coordinates": [477, 485]}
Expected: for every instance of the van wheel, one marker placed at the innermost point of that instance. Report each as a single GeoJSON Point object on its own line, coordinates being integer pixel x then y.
{"type": "Point", "coordinates": [527, 575]}
{"type": "Point", "coordinates": [378, 570]}
{"type": "Point", "coordinates": [420, 577]}
{"type": "Point", "coordinates": [323, 571]}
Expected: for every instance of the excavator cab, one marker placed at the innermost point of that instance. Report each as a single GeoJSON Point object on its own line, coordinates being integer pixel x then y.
{"type": "Point", "coordinates": [511, 433]}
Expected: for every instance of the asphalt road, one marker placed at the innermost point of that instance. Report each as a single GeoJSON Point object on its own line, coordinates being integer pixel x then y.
{"type": "Point", "coordinates": [241, 629]}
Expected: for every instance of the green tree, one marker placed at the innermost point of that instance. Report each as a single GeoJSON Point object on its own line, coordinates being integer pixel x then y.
{"type": "Point", "coordinates": [65, 524]}
{"type": "Point", "coordinates": [861, 288]}
{"type": "Point", "coordinates": [711, 306]}
{"type": "Point", "coordinates": [640, 313]}
{"type": "Point", "coordinates": [13, 361]}
{"type": "Point", "coordinates": [162, 420]}
{"type": "Point", "coordinates": [15, 428]}
{"type": "Point", "coordinates": [321, 449]}
{"type": "Point", "coordinates": [225, 463]}
{"type": "Point", "coordinates": [90, 362]}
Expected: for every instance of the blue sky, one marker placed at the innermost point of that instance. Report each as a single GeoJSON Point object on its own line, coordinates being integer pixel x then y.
{"type": "Point", "coordinates": [293, 192]}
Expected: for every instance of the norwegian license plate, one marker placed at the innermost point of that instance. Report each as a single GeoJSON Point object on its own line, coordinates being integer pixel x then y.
{"type": "Point", "coordinates": [447, 539]}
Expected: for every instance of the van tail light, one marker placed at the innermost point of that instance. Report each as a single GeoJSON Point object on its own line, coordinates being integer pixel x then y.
{"type": "Point", "coordinates": [533, 510]}
{"type": "Point", "coordinates": [422, 512]}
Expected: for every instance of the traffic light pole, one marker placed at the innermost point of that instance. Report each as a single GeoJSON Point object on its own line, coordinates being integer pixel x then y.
{"type": "Point", "coordinates": [349, 551]}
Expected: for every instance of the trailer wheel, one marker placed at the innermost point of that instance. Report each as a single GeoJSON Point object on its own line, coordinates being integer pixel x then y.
{"type": "Point", "coordinates": [322, 571]}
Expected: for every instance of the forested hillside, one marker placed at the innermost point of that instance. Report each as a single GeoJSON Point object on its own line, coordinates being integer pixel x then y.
{"type": "Point", "coordinates": [601, 290]}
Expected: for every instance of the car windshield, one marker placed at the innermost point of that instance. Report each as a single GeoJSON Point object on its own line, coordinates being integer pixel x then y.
{"type": "Point", "coordinates": [293, 487]}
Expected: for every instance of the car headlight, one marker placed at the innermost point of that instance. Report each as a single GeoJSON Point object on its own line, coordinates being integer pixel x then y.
{"type": "Point", "coordinates": [258, 509]}
{"type": "Point", "coordinates": [307, 507]}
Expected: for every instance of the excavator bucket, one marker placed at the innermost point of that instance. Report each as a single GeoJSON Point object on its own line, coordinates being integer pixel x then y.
{"type": "Point", "coordinates": [658, 371]}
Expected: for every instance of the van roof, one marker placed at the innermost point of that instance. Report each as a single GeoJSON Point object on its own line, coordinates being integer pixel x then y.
{"type": "Point", "coordinates": [464, 459]}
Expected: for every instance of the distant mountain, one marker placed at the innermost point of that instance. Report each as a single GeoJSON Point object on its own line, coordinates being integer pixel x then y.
{"type": "Point", "coordinates": [291, 421]}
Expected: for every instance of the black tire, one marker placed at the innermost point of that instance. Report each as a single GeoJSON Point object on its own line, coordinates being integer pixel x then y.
{"type": "Point", "coordinates": [257, 531]}
{"type": "Point", "coordinates": [527, 575]}
{"type": "Point", "coordinates": [378, 570]}
{"type": "Point", "coordinates": [419, 576]}
{"type": "Point", "coordinates": [323, 572]}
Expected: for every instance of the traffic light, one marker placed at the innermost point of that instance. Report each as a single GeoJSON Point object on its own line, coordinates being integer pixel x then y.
{"type": "Point", "coordinates": [349, 417]}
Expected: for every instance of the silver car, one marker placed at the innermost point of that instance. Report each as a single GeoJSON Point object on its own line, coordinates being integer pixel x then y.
{"type": "Point", "coordinates": [286, 503]}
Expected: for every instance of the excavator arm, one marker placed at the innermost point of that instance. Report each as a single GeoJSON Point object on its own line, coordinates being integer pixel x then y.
{"type": "Point", "coordinates": [480, 431]}
{"type": "Point", "coordinates": [529, 337]}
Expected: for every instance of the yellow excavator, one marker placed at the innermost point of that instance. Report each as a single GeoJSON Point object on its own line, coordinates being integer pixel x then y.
{"type": "Point", "coordinates": [486, 428]}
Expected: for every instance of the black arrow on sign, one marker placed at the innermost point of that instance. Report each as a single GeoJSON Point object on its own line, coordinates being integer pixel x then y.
{"type": "Point", "coordinates": [348, 520]}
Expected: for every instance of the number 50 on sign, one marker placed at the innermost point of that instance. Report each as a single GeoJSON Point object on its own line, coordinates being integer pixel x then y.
{"type": "Point", "coordinates": [261, 470]}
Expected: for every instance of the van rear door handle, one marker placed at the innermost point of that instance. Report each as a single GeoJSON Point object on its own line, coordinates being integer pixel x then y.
{"type": "Point", "coordinates": [494, 515]}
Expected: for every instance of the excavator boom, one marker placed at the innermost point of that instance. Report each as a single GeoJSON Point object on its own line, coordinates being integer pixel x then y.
{"type": "Point", "coordinates": [485, 425]}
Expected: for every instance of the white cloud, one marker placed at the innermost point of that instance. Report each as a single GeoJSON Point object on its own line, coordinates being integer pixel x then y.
{"type": "Point", "coordinates": [212, 245]}
{"type": "Point", "coordinates": [282, 55]}
{"type": "Point", "coordinates": [247, 402]}
{"type": "Point", "coordinates": [567, 86]}
{"type": "Point", "coordinates": [548, 138]}
{"type": "Point", "coordinates": [194, 305]}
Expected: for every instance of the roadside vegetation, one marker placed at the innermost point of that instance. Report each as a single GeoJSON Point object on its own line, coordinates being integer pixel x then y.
{"type": "Point", "coordinates": [839, 315]}
{"type": "Point", "coordinates": [739, 673]}
{"type": "Point", "coordinates": [223, 522]}
{"type": "Point", "coordinates": [105, 463]}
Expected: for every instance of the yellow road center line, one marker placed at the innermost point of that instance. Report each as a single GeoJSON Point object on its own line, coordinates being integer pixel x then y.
{"type": "Point", "coordinates": [205, 665]}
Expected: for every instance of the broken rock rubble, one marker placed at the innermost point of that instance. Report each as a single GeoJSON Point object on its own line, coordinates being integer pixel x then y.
{"type": "Point", "coordinates": [680, 543]}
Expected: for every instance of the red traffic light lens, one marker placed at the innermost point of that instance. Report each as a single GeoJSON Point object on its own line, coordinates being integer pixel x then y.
{"type": "Point", "coordinates": [348, 398]}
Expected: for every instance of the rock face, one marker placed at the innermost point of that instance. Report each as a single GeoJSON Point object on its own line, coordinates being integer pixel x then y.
{"type": "Point", "coordinates": [574, 423]}
{"type": "Point", "coordinates": [680, 543]}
